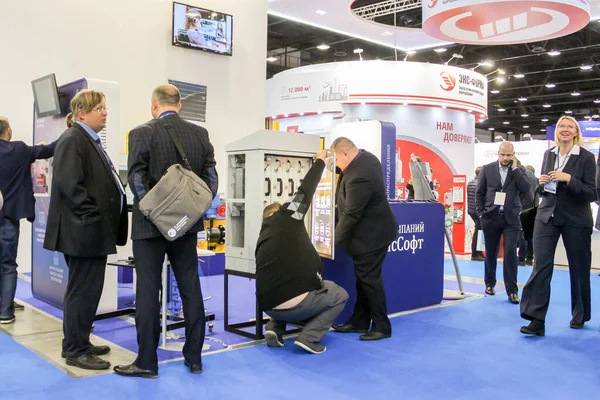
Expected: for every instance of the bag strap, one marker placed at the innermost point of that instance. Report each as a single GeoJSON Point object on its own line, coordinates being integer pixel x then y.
{"type": "Point", "coordinates": [169, 127]}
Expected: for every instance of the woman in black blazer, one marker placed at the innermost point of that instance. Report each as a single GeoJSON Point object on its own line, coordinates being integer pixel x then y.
{"type": "Point", "coordinates": [567, 187]}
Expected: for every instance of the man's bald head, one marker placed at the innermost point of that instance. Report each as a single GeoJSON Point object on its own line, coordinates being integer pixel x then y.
{"type": "Point", "coordinates": [165, 98]}
{"type": "Point", "coordinates": [507, 146]}
{"type": "Point", "coordinates": [506, 154]}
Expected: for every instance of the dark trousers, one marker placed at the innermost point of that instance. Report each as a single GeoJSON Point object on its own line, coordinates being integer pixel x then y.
{"type": "Point", "coordinates": [474, 251]}
{"type": "Point", "coordinates": [578, 246]}
{"type": "Point", "coordinates": [9, 242]}
{"type": "Point", "coordinates": [493, 228]}
{"type": "Point", "coordinates": [84, 289]}
{"type": "Point", "coordinates": [370, 303]}
{"type": "Point", "coordinates": [525, 248]}
{"type": "Point", "coordinates": [149, 255]}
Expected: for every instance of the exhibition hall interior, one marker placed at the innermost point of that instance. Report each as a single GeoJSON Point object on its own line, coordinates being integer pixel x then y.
{"type": "Point", "coordinates": [406, 205]}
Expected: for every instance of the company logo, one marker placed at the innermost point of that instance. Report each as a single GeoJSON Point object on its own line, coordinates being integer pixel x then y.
{"type": "Point", "coordinates": [432, 3]}
{"type": "Point", "coordinates": [490, 153]}
{"type": "Point", "coordinates": [172, 233]}
{"type": "Point", "coordinates": [448, 81]}
{"type": "Point", "coordinates": [507, 22]}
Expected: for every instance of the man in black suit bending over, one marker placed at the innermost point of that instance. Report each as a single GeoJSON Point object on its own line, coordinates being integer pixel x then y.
{"type": "Point", "coordinates": [87, 219]}
{"type": "Point", "coordinates": [500, 186]}
{"type": "Point", "coordinates": [151, 152]}
{"type": "Point", "coordinates": [366, 226]}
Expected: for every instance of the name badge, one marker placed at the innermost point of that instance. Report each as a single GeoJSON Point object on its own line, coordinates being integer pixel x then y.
{"type": "Point", "coordinates": [499, 199]}
{"type": "Point", "coordinates": [550, 187]}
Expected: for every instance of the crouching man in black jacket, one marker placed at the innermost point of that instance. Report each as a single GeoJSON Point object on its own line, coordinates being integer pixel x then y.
{"type": "Point", "coordinates": [289, 283]}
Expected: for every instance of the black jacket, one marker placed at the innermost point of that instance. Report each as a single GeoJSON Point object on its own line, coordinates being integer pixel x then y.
{"type": "Point", "coordinates": [571, 203]}
{"type": "Point", "coordinates": [152, 152]}
{"type": "Point", "coordinates": [489, 183]}
{"type": "Point", "coordinates": [472, 199]}
{"type": "Point", "coordinates": [15, 178]}
{"type": "Point", "coordinates": [366, 221]}
{"type": "Point", "coordinates": [287, 263]}
{"type": "Point", "coordinates": [88, 213]}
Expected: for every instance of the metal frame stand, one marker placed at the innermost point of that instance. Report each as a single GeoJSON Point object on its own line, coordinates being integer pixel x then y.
{"type": "Point", "coordinates": [257, 322]}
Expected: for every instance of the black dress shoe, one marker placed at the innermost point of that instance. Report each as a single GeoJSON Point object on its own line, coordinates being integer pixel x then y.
{"type": "Point", "coordinates": [348, 328]}
{"type": "Point", "coordinates": [96, 350]}
{"type": "Point", "coordinates": [576, 325]}
{"type": "Point", "coordinates": [490, 291]}
{"type": "Point", "coordinates": [375, 336]}
{"type": "Point", "coordinates": [133, 371]}
{"type": "Point", "coordinates": [535, 327]}
{"type": "Point", "coordinates": [194, 368]}
{"type": "Point", "coordinates": [514, 298]}
{"type": "Point", "coordinates": [88, 361]}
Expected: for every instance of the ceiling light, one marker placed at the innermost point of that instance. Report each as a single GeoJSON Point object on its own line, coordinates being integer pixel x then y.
{"type": "Point", "coordinates": [440, 49]}
{"type": "Point", "coordinates": [554, 53]}
{"type": "Point", "coordinates": [519, 76]}
{"type": "Point", "coordinates": [575, 94]}
{"type": "Point", "coordinates": [550, 85]}
{"type": "Point", "coordinates": [510, 132]}
{"type": "Point", "coordinates": [525, 126]}
{"type": "Point", "coordinates": [501, 110]}
{"type": "Point", "coordinates": [495, 91]}
{"type": "Point", "coordinates": [524, 115]}
{"type": "Point", "coordinates": [545, 120]}
{"type": "Point", "coordinates": [321, 12]}
{"type": "Point", "coordinates": [595, 116]}
{"type": "Point", "coordinates": [490, 129]}
{"type": "Point", "coordinates": [500, 80]}
{"type": "Point", "coordinates": [358, 51]}
{"type": "Point", "coordinates": [486, 63]}
{"type": "Point", "coordinates": [543, 130]}
{"type": "Point", "coordinates": [501, 71]}
{"type": "Point", "coordinates": [323, 46]}
{"type": "Point", "coordinates": [587, 116]}
{"type": "Point", "coordinates": [214, 14]}
{"type": "Point", "coordinates": [522, 98]}
{"type": "Point", "coordinates": [272, 58]}
{"type": "Point", "coordinates": [597, 101]}
{"type": "Point", "coordinates": [586, 67]}
{"type": "Point", "coordinates": [411, 52]}
{"type": "Point", "coordinates": [547, 105]}
{"type": "Point", "coordinates": [506, 122]}
{"type": "Point", "coordinates": [568, 112]}
{"type": "Point", "coordinates": [387, 33]}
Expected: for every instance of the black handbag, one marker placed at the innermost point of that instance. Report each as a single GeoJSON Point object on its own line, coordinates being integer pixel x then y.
{"type": "Point", "coordinates": [527, 218]}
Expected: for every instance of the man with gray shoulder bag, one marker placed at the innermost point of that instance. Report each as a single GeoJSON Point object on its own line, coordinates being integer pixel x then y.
{"type": "Point", "coordinates": [173, 178]}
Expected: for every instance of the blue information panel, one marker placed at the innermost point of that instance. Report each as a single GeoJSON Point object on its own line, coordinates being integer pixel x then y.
{"type": "Point", "coordinates": [49, 270]}
{"type": "Point", "coordinates": [413, 270]}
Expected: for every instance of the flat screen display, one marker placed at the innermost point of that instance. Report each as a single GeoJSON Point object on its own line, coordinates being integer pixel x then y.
{"type": "Point", "coordinates": [202, 29]}
{"type": "Point", "coordinates": [45, 94]}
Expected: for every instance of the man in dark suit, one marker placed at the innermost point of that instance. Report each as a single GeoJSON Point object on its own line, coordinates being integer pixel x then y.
{"type": "Point", "coordinates": [366, 226]}
{"type": "Point", "coordinates": [17, 189]}
{"type": "Point", "coordinates": [151, 152]}
{"type": "Point", "coordinates": [87, 219]}
{"type": "Point", "coordinates": [528, 201]}
{"type": "Point", "coordinates": [499, 188]}
{"type": "Point", "coordinates": [472, 210]}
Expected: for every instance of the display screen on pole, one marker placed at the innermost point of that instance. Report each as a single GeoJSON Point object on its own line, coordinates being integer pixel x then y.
{"type": "Point", "coordinates": [45, 94]}
{"type": "Point", "coordinates": [202, 29]}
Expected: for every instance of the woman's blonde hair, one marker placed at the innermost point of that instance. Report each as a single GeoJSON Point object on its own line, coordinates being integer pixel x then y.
{"type": "Point", "coordinates": [578, 140]}
{"type": "Point", "coordinates": [69, 120]}
{"type": "Point", "coordinates": [85, 101]}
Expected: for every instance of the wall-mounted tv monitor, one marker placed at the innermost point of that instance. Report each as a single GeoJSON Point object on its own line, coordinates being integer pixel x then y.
{"type": "Point", "coordinates": [202, 29]}
{"type": "Point", "coordinates": [45, 94]}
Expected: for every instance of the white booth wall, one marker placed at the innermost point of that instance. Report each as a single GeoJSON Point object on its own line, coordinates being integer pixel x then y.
{"type": "Point", "coordinates": [129, 42]}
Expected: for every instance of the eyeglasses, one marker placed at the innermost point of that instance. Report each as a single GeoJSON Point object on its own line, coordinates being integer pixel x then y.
{"type": "Point", "coordinates": [100, 110]}
{"type": "Point", "coordinates": [566, 127]}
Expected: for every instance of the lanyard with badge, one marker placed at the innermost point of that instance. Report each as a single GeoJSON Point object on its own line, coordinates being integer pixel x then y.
{"type": "Point", "coordinates": [550, 187]}
{"type": "Point", "coordinates": [500, 197]}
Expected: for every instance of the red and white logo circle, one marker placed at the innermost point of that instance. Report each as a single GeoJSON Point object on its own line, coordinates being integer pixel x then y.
{"type": "Point", "coordinates": [448, 81]}
{"type": "Point", "coordinates": [506, 22]}
{"type": "Point", "coordinates": [432, 3]}
{"type": "Point", "coordinates": [490, 153]}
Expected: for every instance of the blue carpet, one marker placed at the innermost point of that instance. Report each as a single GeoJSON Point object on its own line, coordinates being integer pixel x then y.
{"type": "Point", "coordinates": [472, 350]}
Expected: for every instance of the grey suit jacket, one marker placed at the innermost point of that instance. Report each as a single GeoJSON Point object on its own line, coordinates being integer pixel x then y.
{"type": "Point", "coordinates": [152, 152]}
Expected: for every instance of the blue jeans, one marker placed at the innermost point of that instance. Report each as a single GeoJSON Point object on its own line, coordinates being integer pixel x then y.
{"type": "Point", "coordinates": [9, 241]}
